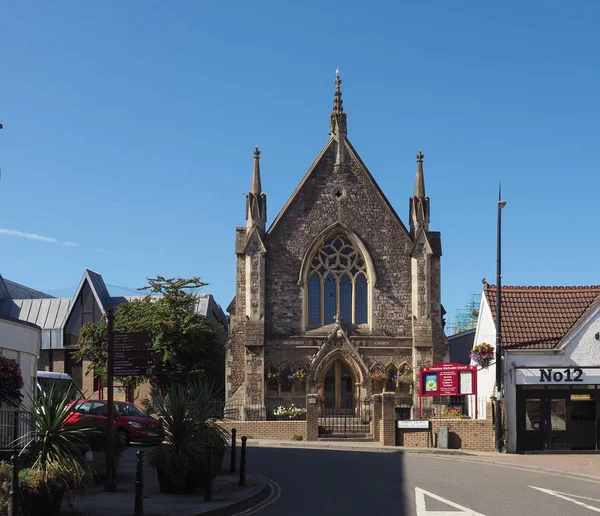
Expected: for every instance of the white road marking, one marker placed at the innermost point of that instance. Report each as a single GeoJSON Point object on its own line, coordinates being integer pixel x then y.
{"type": "Point", "coordinates": [569, 498]}
{"type": "Point", "coordinates": [422, 511]}
{"type": "Point", "coordinates": [273, 497]}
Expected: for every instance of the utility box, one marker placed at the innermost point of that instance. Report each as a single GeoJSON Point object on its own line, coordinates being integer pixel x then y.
{"type": "Point", "coordinates": [443, 438]}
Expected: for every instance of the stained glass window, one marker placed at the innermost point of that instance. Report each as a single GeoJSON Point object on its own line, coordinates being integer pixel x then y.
{"type": "Point", "coordinates": [346, 299]}
{"type": "Point", "coordinates": [361, 299]}
{"type": "Point", "coordinates": [330, 299]}
{"type": "Point", "coordinates": [314, 299]}
{"type": "Point", "coordinates": [338, 271]}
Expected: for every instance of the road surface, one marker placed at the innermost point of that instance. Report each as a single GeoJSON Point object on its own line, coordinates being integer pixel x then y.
{"type": "Point", "coordinates": [332, 482]}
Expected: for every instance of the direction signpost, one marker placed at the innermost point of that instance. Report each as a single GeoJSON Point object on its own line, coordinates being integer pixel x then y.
{"type": "Point", "coordinates": [129, 354]}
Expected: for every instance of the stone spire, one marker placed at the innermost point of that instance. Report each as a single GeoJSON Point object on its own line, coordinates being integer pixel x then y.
{"type": "Point", "coordinates": [256, 200]}
{"type": "Point", "coordinates": [420, 181]}
{"type": "Point", "coordinates": [338, 127]}
{"type": "Point", "coordinates": [256, 186]}
{"type": "Point", "coordinates": [337, 123]}
{"type": "Point", "coordinates": [419, 203]}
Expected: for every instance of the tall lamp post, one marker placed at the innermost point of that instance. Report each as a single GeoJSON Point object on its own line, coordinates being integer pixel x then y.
{"type": "Point", "coordinates": [499, 368]}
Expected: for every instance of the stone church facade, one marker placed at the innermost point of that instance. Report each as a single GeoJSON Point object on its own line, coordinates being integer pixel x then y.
{"type": "Point", "coordinates": [338, 297]}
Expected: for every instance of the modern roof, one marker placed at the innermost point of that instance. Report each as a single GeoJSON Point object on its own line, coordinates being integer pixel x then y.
{"type": "Point", "coordinates": [12, 290]}
{"type": "Point", "coordinates": [540, 317]}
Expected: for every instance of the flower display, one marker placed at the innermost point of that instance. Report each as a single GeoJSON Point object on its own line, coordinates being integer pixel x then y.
{"type": "Point", "coordinates": [483, 354]}
{"type": "Point", "coordinates": [11, 381]}
{"type": "Point", "coordinates": [290, 412]}
{"type": "Point", "coordinates": [406, 378]}
{"type": "Point", "coordinates": [272, 376]}
{"type": "Point", "coordinates": [451, 412]}
{"type": "Point", "coordinates": [299, 375]}
{"type": "Point", "coordinates": [378, 376]}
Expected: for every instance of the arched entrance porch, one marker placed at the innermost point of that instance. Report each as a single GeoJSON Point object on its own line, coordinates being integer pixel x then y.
{"type": "Point", "coordinates": [339, 388]}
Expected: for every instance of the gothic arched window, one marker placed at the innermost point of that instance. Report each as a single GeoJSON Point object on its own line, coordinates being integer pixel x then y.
{"type": "Point", "coordinates": [337, 283]}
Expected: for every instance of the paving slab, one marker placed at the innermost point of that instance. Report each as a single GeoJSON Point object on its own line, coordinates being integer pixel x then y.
{"type": "Point", "coordinates": [228, 496]}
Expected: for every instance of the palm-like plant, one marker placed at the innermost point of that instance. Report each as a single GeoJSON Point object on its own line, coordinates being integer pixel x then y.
{"type": "Point", "coordinates": [50, 445]}
{"type": "Point", "coordinates": [186, 411]}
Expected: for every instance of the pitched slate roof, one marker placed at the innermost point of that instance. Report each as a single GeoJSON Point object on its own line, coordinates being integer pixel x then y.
{"type": "Point", "coordinates": [12, 290]}
{"type": "Point", "coordinates": [539, 317]}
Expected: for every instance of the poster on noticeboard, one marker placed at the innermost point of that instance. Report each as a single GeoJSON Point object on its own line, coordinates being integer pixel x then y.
{"type": "Point", "coordinates": [431, 382]}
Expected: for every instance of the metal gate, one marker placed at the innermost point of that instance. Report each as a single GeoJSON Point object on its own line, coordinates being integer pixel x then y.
{"type": "Point", "coordinates": [351, 419]}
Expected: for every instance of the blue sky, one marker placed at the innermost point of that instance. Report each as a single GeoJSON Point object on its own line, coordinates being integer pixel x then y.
{"type": "Point", "coordinates": [129, 129]}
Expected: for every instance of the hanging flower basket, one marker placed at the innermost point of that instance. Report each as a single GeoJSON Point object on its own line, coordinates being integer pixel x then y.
{"type": "Point", "coordinates": [11, 381]}
{"type": "Point", "coordinates": [483, 354]}
{"type": "Point", "coordinates": [406, 378]}
{"type": "Point", "coordinates": [299, 375]}
{"type": "Point", "coordinates": [378, 376]}
{"type": "Point", "coordinates": [272, 376]}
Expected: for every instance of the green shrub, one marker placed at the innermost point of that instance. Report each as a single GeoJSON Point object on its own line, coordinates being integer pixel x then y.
{"type": "Point", "coordinates": [297, 437]}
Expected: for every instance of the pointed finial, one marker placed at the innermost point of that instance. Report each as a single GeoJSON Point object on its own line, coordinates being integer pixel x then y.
{"type": "Point", "coordinates": [256, 186]}
{"type": "Point", "coordinates": [420, 156]}
{"type": "Point", "coordinates": [337, 101]}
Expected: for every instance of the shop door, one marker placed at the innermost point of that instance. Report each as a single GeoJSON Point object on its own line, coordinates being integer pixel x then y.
{"type": "Point", "coordinates": [543, 420]}
{"type": "Point", "coordinates": [530, 431]}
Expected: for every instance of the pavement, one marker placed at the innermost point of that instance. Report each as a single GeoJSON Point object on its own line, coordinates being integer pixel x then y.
{"type": "Point", "coordinates": [228, 497]}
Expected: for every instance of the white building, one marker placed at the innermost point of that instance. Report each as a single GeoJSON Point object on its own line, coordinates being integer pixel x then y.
{"type": "Point", "coordinates": [551, 353]}
{"type": "Point", "coordinates": [21, 342]}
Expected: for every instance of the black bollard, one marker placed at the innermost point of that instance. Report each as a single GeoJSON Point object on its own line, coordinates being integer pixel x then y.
{"type": "Point", "coordinates": [14, 487]}
{"type": "Point", "coordinates": [232, 469]}
{"type": "Point", "coordinates": [208, 484]}
{"type": "Point", "coordinates": [243, 462]}
{"type": "Point", "coordinates": [139, 484]}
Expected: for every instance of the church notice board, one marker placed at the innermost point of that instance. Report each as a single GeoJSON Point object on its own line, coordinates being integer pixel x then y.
{"type": "Point", "coordinates": [448, 379]}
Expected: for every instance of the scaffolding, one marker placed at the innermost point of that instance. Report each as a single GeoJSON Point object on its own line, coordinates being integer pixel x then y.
{"type": "Point", "coordinates": [466, 318]}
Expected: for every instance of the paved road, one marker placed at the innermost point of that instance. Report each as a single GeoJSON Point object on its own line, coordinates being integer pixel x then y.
{"type": "Point", "coordinates": [331, 482]}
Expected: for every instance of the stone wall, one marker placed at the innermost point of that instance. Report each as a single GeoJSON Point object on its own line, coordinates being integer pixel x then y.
{"type": "Point", "coordinates": [463, 434]}
{"type": "Point", "coordinates": [363, 211]}
{"type": "Point", "coordinates": [274, 430]}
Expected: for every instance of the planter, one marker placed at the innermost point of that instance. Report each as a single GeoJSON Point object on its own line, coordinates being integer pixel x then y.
{"type": "Point", "coordinates": [47, 503]}
{"type": "Point", "coordinates": [217, 464]}
{"type": "Point", "coordinates": [180, 482]}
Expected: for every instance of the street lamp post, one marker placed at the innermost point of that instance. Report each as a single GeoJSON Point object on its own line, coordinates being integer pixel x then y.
{"type": "Point", "coordinates": [501, 204]}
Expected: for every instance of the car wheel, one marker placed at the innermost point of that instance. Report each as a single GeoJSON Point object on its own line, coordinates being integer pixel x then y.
{"type": "Point", "coordinates": [123, 436]}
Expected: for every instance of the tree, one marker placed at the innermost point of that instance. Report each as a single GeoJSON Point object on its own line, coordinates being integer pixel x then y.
{"type": "Point", "coordinates": [185, 343]}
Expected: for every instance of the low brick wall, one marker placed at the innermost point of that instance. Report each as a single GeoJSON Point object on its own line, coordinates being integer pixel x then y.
{"type": "Point", "coordinates": [463, 434]}
{"type": "Point", "coordinates": [276, 430]}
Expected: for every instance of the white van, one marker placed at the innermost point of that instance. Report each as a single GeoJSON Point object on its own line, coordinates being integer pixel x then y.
{"type": "Point", "coordinates": [60, 381]}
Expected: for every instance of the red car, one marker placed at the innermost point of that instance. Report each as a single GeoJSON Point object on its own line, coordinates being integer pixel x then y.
{"type": "Point", "coordinates": [132, 424]}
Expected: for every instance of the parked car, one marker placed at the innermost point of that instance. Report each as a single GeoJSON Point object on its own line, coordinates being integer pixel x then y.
{"type": "Point", "coordinates": [132, 424]}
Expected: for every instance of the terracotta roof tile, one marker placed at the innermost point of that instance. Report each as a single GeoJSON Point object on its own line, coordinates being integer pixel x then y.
{"type": "Point", "coordinates": [539, 317]}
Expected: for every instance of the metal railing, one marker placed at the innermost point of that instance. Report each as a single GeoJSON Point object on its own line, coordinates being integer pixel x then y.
{"type": "Point", "coordinates": [14, 423]}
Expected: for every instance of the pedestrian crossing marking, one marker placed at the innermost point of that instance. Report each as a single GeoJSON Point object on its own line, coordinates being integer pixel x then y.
{"type": "Point", "coordinates": [422, 511]}
{"type": "Point", "coordinates": [569, 498]}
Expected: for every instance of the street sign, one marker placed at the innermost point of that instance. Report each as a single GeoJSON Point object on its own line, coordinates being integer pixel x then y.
{"type": "Point", "coordinates": [414, 423]}
{"type": "Point", "coordinates": [133, 354]}
{"type": "Point", "coordinates": [133, 340]}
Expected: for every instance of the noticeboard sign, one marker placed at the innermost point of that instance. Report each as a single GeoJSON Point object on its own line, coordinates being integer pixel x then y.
{"type": "Point", "coordinates": [133, 354]}
{"type": "Point", "coordinates": [448, 379]}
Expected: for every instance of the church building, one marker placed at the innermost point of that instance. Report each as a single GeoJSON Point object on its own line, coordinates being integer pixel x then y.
{"type": "Point", "coordinates": [337, 297]}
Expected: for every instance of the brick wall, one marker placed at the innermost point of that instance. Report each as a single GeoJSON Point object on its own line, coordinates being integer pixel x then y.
{"type": "Point", "coordinates": [275, 430]}
{"type": "Point", "coordinates": [463, 434]}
